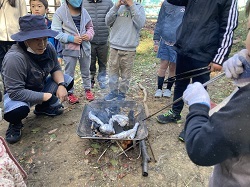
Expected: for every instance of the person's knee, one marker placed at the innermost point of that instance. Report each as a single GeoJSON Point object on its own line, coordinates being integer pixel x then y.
{"type": "Point", "coordinates": [16, 115]}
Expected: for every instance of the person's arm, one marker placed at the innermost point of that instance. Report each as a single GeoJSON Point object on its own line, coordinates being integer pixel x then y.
{"type": "Point", "coordinates": [178, 2]}
{"type": "Point", "coordinates": [62, 37]}
{"type": "Point", "coordinates": [138, 15]}
{"type": "Point", "coordinates": [90, 31]}
{"type": "Point", "coordinates": [14, 72]}
{"type": "Point", "coordinates": [111, 15]}
{"type": "Point", "coordinates": [228, 23]}
{"type": "Point", "coordinates": [211, 140]}
{"type": "Point", "coordinates": [158, 28]}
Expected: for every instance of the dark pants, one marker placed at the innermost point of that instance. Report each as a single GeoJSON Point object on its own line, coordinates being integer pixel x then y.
{"type": "Point", "coordinates": [4, 47]}
{"type": "Point", "coordinates": [185, 64]}
{"type": "Point", "coordinates": [99, 53]}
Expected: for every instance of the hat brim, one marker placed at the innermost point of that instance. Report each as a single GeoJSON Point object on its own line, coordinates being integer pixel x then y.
{"type": "Point", "coordinates": [26, 35]}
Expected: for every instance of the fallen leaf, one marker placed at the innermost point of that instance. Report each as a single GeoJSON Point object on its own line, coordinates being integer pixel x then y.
{"type": "Point", "coordinates": [114, 162]}
{"type": "Point", "coordinates": [32, 150]}
{"type": "Point", "coordinates": [35, 130]}
{"type": "Point", "coordinates": [96, 146]}
{"type": "Point", "coordinates": [88, 151]}
{"type": "Point", "coordinates": [52, 131]}
{"type": "Point", "coordinates": [121, 175]}
{"type": "Point", "coordinates": [52, 137]}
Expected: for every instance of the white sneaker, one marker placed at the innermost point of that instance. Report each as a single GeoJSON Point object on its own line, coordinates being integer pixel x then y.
{"type": "Point", "coordinates": [158, 93]}
{"type": "Point", "coordinates": [167, 93]}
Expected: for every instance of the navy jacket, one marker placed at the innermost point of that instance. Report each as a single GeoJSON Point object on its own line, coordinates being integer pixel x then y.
{"type": "Point", "coordinates": [206, 32]}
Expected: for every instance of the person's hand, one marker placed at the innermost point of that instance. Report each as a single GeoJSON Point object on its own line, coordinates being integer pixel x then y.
{"type": "Point", "coordinates": [77, 40]}
{"type": "Point", "coordinates": [119, 3]}
{"type": "Point", "coordinates": [196, 93]}
{"type": "Point", "coordinates": [62, 93]}
{"type": "Point", "coordinates": [60, 60]}
{"type": "Point", "coordinates": [85, 37]}
{"type": "Point", "coordinates": [243, 78]}
{"type": "Point", "coordinates": [156, 48]}
{"type": "Point", "coordinates": [53, 102]}
{"type": "Point", "coordinates": [215, 67]}
{"type": "Point", "coordinates": [129, 2]}
{"type": "Point", "coordinates": [233, 67]}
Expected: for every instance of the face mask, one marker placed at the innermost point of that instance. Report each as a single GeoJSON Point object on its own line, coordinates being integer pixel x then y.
{"type": "Point", "coordinates": [31, 50]}
{"type": "Point", "coordinates": [75, 3]}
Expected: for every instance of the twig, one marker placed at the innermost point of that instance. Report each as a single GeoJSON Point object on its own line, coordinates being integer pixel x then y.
{"type": "Point", "coordinates": [104, 152]}
{"type": "Point", "coordinates": [121, 149]}
{"type": "Point", "coordinates": [144, 98]}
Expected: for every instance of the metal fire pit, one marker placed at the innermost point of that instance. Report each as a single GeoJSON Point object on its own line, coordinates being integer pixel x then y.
{"type": "Point", "coordinates": [84, 128]}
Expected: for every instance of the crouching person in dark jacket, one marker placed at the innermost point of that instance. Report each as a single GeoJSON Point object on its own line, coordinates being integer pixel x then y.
{"type": "Point", "coordinates": [25, 72]}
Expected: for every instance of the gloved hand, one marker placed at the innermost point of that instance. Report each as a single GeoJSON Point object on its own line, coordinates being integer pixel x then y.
{"type": "Point", "coordinates": [244, 78]}
{"type": "Point", "coordinates": [196, 93]}
{"type": "Point", "coordinates": [233, 67]}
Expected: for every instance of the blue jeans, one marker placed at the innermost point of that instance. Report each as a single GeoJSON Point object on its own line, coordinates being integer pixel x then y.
{"type": "Point", "coordinates": [50, 86]}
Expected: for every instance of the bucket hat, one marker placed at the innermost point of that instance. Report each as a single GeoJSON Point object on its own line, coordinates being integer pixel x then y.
{"type": "Point", "coordinates": [32, 26]}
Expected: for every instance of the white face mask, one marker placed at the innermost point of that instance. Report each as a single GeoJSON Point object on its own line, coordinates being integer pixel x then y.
{"type": "Point", "coordinates": [31, 50]}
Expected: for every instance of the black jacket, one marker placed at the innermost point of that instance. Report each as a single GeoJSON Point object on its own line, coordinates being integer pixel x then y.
{"type": "Point", "coordinates": [222, 140]}
{"type": "Point", "coordinates": [206, 33]}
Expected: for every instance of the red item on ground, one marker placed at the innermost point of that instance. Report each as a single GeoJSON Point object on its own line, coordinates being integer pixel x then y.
{"type": "Point", "coordinates": [89, 95]}
{"type": "Point", "coordinates": [73, 99]}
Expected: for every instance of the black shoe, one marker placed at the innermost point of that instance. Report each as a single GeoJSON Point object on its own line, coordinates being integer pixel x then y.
{"type": "Point", "coordinates": [182, 136]}
{"type": "Point", "coordinates": [121, 96]}
{"type": "Point", "coordinates": [169, 117]}
{"type": "Point", "coordinates": [14, 133]}
{"type": "Point", "coordinates": [49, 111]}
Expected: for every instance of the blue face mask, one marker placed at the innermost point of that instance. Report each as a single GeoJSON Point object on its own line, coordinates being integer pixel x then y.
{"type": "Point", "coordinates": [75, 3]}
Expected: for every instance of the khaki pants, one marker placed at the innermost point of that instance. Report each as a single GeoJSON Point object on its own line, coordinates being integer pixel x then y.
{"type": "Point", "coordinates": [120, 66]}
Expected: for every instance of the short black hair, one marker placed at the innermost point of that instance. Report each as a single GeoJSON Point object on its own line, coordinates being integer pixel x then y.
{"type": "Point", "coordinates": [44, 2]}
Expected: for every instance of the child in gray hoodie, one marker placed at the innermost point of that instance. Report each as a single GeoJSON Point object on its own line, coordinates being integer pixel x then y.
{"type": "Point", "coordinates": [126, 18]}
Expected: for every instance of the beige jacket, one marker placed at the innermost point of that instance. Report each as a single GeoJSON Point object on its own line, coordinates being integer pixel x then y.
{"type": "Point", "coordinates": [9, 17]}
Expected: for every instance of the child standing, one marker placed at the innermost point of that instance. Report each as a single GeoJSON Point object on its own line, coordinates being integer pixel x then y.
{"type": "Point", "coordinates": [169, 19]}
{"type": "Point", "coordinates": [40, 7]}
{"type": "Point", "coordinates": [75, 28]}
{"type": "Point", "coordinates": [126, 18]}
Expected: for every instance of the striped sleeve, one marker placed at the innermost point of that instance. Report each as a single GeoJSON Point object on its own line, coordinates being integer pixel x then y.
{"type": "Point", "coordinates": [229, 22]}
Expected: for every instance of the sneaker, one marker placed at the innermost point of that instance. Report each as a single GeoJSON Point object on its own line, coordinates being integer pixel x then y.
{"type": "Point", "coordinates": [167, 93]}
{"type": "Point", "coordinates": [169, 117]}
{"type": "Point", "coordinates": [111, 96]}
{"type": "Point", "coordinates": [49, 111]}
{"type": "Point", "coordinates": [73, 99]}
{"type": "Point", "coordinates": [14, 133]}
{"type": "Point", "coordinates": [158, 93]}
{"type": "Point", "coordinates": [89, 95]}
{"type": "Point", "coordinates": [182, 136]}
{"type": "Point", "coordinates": [121, 96]}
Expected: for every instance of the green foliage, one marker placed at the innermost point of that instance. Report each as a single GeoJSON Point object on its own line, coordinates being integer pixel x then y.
{"type": "Point", "coordinates": [240, 33]}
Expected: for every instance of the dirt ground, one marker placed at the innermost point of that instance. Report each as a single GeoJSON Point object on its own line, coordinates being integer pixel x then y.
{"type": "Point", "coordinates": [53, 154]}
